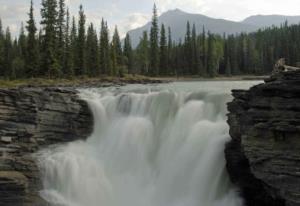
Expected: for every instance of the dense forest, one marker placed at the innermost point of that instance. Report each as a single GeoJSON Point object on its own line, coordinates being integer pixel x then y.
{"type": "Point", "coordinates": [63, 46]}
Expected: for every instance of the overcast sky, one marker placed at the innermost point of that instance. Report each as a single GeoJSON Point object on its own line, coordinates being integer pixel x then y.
{"type": "Point", "coordinates": [130, 14]}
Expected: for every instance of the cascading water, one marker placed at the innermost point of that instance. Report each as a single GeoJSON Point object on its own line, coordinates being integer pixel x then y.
{"type": "Point", "coordinates": [151, 146]}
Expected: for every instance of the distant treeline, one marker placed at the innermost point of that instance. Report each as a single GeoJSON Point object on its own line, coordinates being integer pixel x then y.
{"type": "Point", "coordinates": [66, 48]}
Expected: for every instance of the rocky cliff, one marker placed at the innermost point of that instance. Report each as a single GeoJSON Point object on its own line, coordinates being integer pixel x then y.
{"type": "Point", "coordinates": [263, 157]}
{"type": "Point", "coordinates": [29, 120]}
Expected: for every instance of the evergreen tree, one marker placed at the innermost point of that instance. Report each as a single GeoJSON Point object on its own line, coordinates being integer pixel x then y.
{"type": "Point", "coordinates": [19, 53]}
{"type": "Point", "coordinates": [2, 67]}
{"type": "Point", "coordinates": [251, 66]}
{"type": "Point", "coordinates": [232, 53]}
{"type": "Point", "coordinates": [68, 53]}
{"type": "Point", "coordinates": [81, 42]}
{"type": "Point", "coordinates": [194, 52]}
{"type": "Point", "coordinates": [17, 64]}
{"type": "Point", "coordinates": [104, 49]}
{"type": "Point", "coordinates": [92, 56]}
{"type": "Point", "coordinates": [113, 59]}
{"type": "Point", "coordinates": [204, 55]}
{"type": "Point", "coordinates": [39, 42]}
{"type": "Point", "coordinates": [170, 50]}
{"type": "Point", "coordinates": [49, 61]}
{"type": "Point", "coordinates": [128, 54]}
{"type": "Point", "coordinates": [143, 54]}
{"type": "Point", "coordinates": [154, 49]}
{"type": "Point", "coordinates": [242, 52]}
{"type": "Point", "coordinates": [180, 61]}
{"type": "Point", "coordinates": [188, 50]}
{"type": "Point", "coordinates": [73, 48]}
{"type": "Point", "coordinates": [211, 56]}
{"type": "Point", "coordinates": [163, 51]}
{"type": "Point", "coordinates": [21, 42]}
{"type": "Point", "coordinates": [61, 32]}
{"type": "Point", "coordinates": [31, 58]}
{"type": "Point", "coordinates": [118, 47]}
{"type": "Point", "coordinates": [227, 59]}
{"type": "Point", "coordinates": [8, 73]}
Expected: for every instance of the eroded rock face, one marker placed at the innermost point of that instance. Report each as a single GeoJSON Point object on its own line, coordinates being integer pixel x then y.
{"type": "Point", "coordinates": [263, 158]}
{"type": "Point", "coordinates": [31, 119]}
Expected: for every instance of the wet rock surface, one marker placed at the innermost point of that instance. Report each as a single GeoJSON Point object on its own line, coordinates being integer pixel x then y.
{"type": "Point", "coordinates": [31, 119]}
{"type": "Point", "coordinates": [263, 157]}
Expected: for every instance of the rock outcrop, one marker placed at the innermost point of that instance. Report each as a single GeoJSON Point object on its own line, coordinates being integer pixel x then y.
{"type": "Point", "coordinates": [263, 157]}
{"type": "Point", "coordinates": [31, 119]}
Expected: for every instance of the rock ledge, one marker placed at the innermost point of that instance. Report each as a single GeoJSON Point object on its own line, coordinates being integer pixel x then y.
{"type": "Point", "coordinates": [30, 119]}
{"type": "Point", "coordinates": [263, 157]}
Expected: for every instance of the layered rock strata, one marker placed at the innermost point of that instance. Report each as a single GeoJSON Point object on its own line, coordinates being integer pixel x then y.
{"type": "Point", "coordinates": [263, 157]}
{"type": "Point", "coordinates": [31, 119]}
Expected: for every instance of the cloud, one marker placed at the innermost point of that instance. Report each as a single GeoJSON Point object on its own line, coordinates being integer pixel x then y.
{"type": "Point", "coordinates": [164, 5]}
{"type": "Point", "coordinates": [12, 15]}
{"type": "Point", "coordinates": [13, 11]}
{"type": "Point", "coordinates": [116, 16]}
{"type": "Point", "coordinates": [232, 9]}
{"type": "Point", "coordinates": [132, 21]}
{"type": "Point", "coordinates": [130, 14]}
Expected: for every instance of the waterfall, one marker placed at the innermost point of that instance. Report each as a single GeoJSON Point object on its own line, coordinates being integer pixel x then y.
{"type": "Point", "coordinates": [151, 146]}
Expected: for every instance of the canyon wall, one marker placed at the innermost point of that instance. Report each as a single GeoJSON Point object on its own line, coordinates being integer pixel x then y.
{"type": "Point", "coordinates": [31, 119]}
{"type": "Point", "coordinates": [263, 157]}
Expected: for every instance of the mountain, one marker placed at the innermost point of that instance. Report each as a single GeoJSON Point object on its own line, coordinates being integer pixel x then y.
{"type": "Point", "coordinates": [177, 19]}
{"type": "Point", "coordinates": [270, 20]}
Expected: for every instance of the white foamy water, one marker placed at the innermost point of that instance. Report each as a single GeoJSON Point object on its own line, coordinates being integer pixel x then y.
{"type": "Point", "coordinates": [151, 146]}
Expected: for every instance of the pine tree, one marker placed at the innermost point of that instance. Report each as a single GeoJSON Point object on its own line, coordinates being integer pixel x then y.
{"type": "Point", "coordinates": [118, 47]}
{"type": "Point", "coordinates": [232, 53]}
{"type": "Point", "coordinates": [61, 32]}
{"type": "Point", "coordinates": [113, 59]}
{"type": "Point", "coordinates": [17, 64]}
{"type": "Point", "coordinates": [180, 61]}
{"type": "Point", "coordinates": [128, 54]}
{"type": "Point", "coordinates": [143, 54]}
{"type": "Point", "coordinates": [69, 53]}
{"type": "Point", "coordinates": [49, 61]}
{"type": "Point", "coordinates": [242, 52]}
{"type": "Point", "coordinates": [194, 50]}
{"type": "Point", "coordinates": [19, 53]}
{"type": "Point", "coordinates": [31, 58]}
{"type": "Point", "coordinates": [188, 50]}
{"type": "Point", "coordinates": [92, 57]}
{"type": "Point", "coordinates": [154, 49]}
{"type": "Point", "coordinates": [21, 43]}
{"type": "Point", "coordinates": [2, 67]}
{"type": "Point", "coordinates": [204, 55]}
{"type": "Point", "coordinates": [81, 43]}
{"type": "Point", "coordinates": [251, 59]}
{"type": "Point", "coordinates": [104, 49]}
{"type": "Point", "coordinates": [227, 59]}
{"type": "Point", "coordinates": [74, 46]}
{"type": "Point", "coordinates": [163, 51]}
{"type": "Point", "coordinates": [170, 50]}
{"type": "Point", "coordinates": [211, 56]}
{"type": "Point", "coordinates": [8, 73]}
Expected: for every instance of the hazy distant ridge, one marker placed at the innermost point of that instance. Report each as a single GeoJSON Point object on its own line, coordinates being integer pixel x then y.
{"type": "Point", "coordinates": [269, 20]}
{"type": "Point", "coordinates": [176, 19]}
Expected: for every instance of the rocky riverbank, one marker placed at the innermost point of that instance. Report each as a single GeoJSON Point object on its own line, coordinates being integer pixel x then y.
{"type": "Point", "coordinates": [263, 157]}
{"type": "Point", "coordinates": [83, 82]}
{"type": "Point", "coordinates": [30, 119]}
